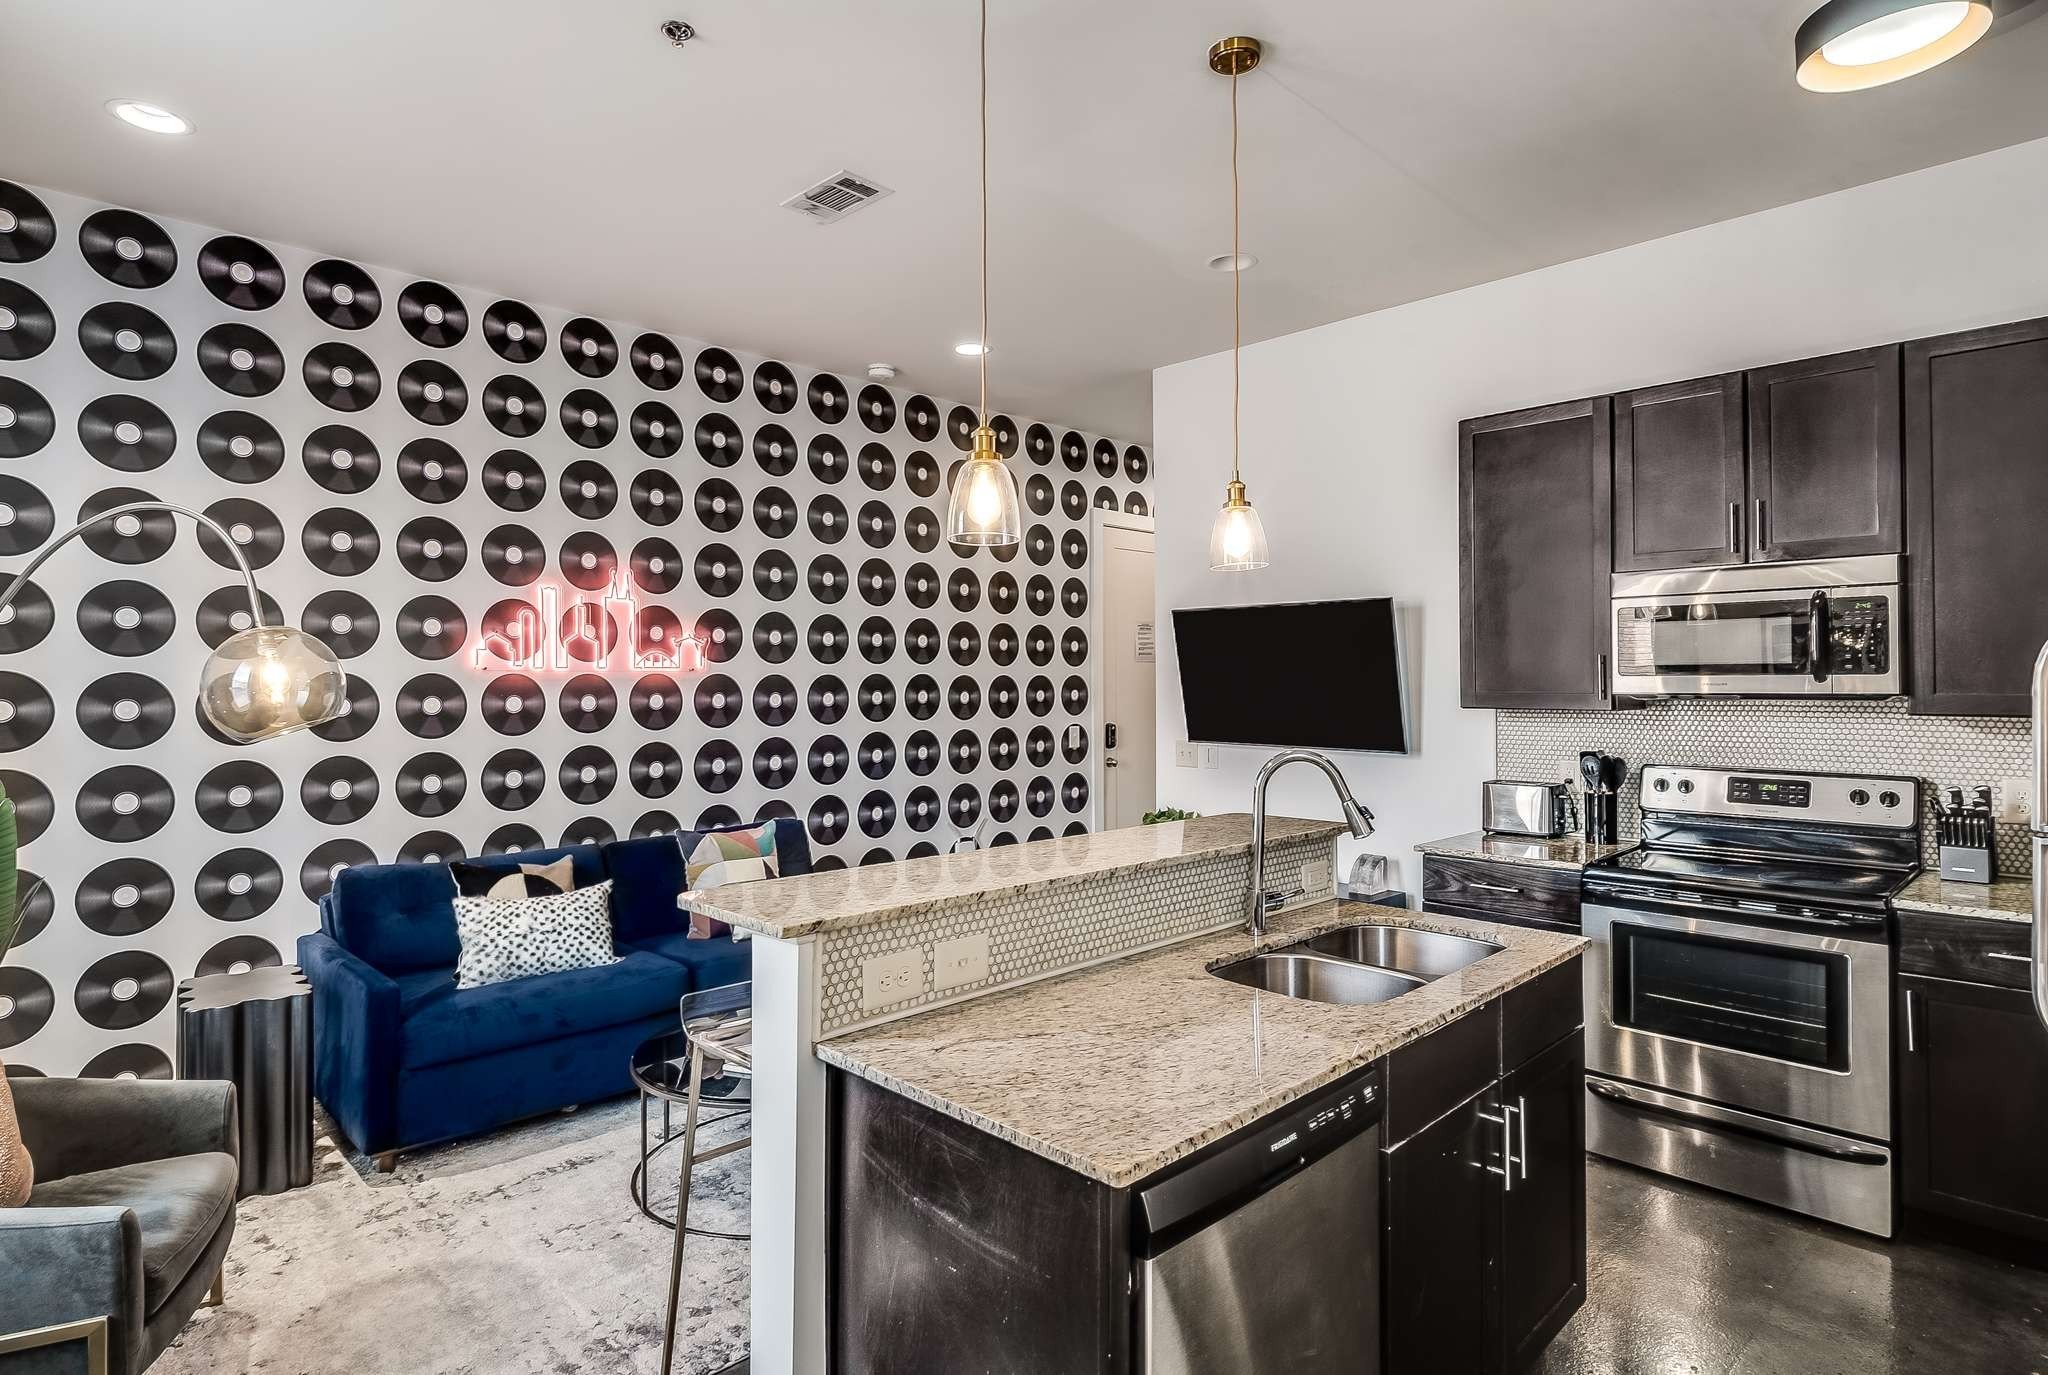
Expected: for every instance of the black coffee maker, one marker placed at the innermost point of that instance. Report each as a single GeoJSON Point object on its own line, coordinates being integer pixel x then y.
{"type": "Point", "coordinates": [1603, 775]}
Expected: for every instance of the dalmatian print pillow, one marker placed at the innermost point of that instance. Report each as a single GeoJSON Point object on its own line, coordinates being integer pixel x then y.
{"type": "Point", "coordinates": [504, 940]}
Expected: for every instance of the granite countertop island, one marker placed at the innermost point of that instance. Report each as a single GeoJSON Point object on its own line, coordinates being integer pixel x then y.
{"type": "Point", "coordinates": [1121, 1069]}
{"type": "Point", "coordinates": [2009, 899]}
{"type": "Point", "coordinates": [1566, 852]}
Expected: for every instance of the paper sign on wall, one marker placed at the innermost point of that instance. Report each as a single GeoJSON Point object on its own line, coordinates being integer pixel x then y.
{"type": "Point", "coordinates": [1145, 646]}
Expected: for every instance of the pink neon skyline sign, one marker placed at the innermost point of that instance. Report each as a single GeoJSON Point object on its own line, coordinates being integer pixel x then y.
{"type": "Point", "coordinates": [584, 635]}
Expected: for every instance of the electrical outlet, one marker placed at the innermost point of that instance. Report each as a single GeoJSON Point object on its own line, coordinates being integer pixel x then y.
{"type": "Point", "coordinates": [962, 960]}
{"type": "Point", "coordinates": [2015, 800]}
{"type": "Point", "coordinates": [889, 979]}
{"type": "Point", "coordinates": [1317, 876]}
{"type": "Point", "coordinates": [1184, 755]}
{"type": "Point", "coordinates": [1212, 756]}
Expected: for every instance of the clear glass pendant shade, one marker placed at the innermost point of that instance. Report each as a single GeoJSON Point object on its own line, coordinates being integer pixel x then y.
{"type": "Point", "coordinates": [983, 506]}
{"type": "Point", "coordinates": [270, 680]}
{"type": "Point", "coordinates": [1237, 541]}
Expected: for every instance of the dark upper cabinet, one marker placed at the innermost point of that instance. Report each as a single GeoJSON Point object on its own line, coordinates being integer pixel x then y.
{"type": "Point", "coordinates": [1976, 487]}
{"type": "Point", "coordinates": [1679, 480]}
{"type": "Point", "coordinates": [1534, 526]}
{"type": "Point", "coordinates": [1543, 1206]}
{"type": "Point", "coordinates": [1824, 466]}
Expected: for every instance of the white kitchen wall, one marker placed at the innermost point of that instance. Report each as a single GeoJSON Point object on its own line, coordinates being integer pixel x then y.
{"type": "Point", "coordinates": [1351, 429]}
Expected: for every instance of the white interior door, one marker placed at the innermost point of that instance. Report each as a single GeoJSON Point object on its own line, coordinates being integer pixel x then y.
{"type": "Point", "coordinates": [1129, 674]}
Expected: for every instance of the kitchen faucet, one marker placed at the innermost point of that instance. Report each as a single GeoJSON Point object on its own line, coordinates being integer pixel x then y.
{"type": "Point", "coordinates": [1358, 818]}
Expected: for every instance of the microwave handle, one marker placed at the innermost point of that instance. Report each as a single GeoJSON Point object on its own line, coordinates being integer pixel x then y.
{"type": "Point", "coordinates": [1818, 637]}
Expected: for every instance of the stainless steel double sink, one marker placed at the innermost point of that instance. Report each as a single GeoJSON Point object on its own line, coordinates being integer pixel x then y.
{"type": "Point", "coordinates": [1367, 963]}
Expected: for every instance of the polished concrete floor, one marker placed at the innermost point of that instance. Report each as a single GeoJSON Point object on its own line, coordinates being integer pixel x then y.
{"type": "Point", "coordinates": [1687, 1282]}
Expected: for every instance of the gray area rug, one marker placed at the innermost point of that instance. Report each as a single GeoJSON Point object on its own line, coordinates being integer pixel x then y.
{"type": "Point", "coordinates": [510, 1253]}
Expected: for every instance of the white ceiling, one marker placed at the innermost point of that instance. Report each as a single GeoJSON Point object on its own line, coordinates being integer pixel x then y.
{"type": "Point", "coordinates": [565, 152]}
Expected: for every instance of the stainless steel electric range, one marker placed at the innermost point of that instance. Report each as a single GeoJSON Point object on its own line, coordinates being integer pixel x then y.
{"type": "Point", "coordinates": [1738, 988]}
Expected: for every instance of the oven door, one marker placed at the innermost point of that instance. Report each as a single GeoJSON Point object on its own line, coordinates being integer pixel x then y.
{"type": "Point", "coordinates": [1777, 643]}
{"type": "Point", "coordinates": [1786, 1023]}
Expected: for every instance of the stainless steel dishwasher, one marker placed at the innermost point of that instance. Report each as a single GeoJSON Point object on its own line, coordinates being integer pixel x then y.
{"type": "Point", "coordinates": [1262, 1254]}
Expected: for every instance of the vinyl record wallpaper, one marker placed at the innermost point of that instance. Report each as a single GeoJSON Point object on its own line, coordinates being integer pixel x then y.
{"type": "Point", "coordinates": [588, 579]}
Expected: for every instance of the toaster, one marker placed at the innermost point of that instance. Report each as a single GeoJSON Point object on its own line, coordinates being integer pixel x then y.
{"type": "Point", "coordinates": [1526, 809]}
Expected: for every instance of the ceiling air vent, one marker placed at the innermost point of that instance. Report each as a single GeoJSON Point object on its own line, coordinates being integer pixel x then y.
{"type": "Point", "coordinates": [836, 197]}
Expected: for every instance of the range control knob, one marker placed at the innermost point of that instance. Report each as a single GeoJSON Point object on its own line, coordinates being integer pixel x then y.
{"type": "Point", "coordinates": [1860, 797]}
{"type": "Point", "coordinates": [1685, 785]}
{"type": "Point", "coordinates": [1662, 785]}
{"type": "Point", "coordinates": [1888, 799]}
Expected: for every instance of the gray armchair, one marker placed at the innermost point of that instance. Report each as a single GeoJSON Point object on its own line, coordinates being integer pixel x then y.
{"type": "Point", "coordinates": [133, 1208]}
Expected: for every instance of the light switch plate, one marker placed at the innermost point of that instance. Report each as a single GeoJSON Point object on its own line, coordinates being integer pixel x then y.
{"type": "Point", "coordinates": [1184, 755]}
{"type": "Point", "coordinates": [962, 960]}
{"type": "Point", "coordinates": [1212, 756]}
{"type": "Point", "coordinates": [889, 979]}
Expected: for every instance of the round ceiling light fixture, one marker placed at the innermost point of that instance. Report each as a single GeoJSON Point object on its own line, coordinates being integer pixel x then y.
{"type": "Point", "coordinates": [1233, 262]}
{"type": "Point", "coordinates": [1853, 45]}
{"type": "Point", "coordinates": [154, 119]}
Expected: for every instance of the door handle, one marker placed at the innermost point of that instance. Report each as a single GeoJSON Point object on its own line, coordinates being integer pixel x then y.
{"type": "Point", "coordinates": [1603, 677]}
{"type": "Point", "coordinates": [2006, 955]}
{"type": "Point", "coordinates": [1912, 1040]}
{"type": "Point", "coordinates": [1735, 527]}
{"type": "Point", "coordinates": [1522, 1125]}
{"type": "Point", "coordinates": [1490, 887]}
{"type": "Point", "coordinates": [1757, 526]}
{"type": "Point", "coordinates": [1505, 1119]}
{"type": "Point", "coordinates": [1847, 1154]}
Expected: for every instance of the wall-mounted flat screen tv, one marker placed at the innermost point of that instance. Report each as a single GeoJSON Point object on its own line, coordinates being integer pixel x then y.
{"type": "Point", "coordinates": [1321, 675]}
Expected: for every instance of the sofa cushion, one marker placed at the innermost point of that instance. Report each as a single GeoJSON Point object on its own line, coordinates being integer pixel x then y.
{"type": "Point", "coordinates": [647, 874]}
{"type": "Point", "coordinates": [401, 917]}
{"type": "Point", "coordinates": [503, 941]}
{"type": "Point", "coordinates": [179, 1204]}
{"type": "Point", "coordinates": [712, 963]}
{"type": "Point", "coordinates": [487, 880]}
{"type": "Point", "coordinates": [440, 1023]}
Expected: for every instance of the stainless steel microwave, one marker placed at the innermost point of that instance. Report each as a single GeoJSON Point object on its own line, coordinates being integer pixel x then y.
{"type": "Point", "coordinates": [1761, 630]}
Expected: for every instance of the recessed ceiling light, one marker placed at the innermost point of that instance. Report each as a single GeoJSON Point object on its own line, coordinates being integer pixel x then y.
{"type": "Point", "coordinates": [1225, 262]}
{"type": "Point", "coordinates": [970, 349]}
{"type": "Point", "coordinates": [1853, 45]}
{"type": "Point", "coordinates": [153, 118]}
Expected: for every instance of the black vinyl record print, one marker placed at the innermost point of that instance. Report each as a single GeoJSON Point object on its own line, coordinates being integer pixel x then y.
{"type": "Point", "coordinates": [26, 516]}
{"type": "Point", "coordinates": [241, 273]}
{"type": "Point", "coordinates": [1006, 435]}
{"type": "Point", "coordinates": [241, 447]}
{"type": "Point", "coordinates": [657, 566]}
{"type": "Point", "coordinates": [26, 325]}
{"type": "Point", "coordinates": [360, 708]}
{"type": "Point", "coordinates": [826, 577]}
{"type": "Point", "coordinates": [827, 458]}
{"type": "Point", "coordinates": [432, 549]}
{"type": "Point", "coordinates": [827, 638]}
{"type": "Point", "coordinates": [1074, 597]}
{"type": "Point", "coordinates": [430, 785]}
{"type": "Point", "coordinates": [775, 388]}
{"type": "Point", "coordinates": [1003, 800]}
{"type": "Point", "coordinates": [655, 361]}
{"type": "Point", "coordinates": [431, 627]}
{"type": "Point", "coordinates": [718, 700]}
{"type": "Point", "coordinates": [225, 611]}
{"type": "Point", "coordinates": [876, 756]}
{"type": "Point", "coordinates": [718, 767]}
{"type": "Point", "coordinates": [588, 418]}
{"type": "Point", "coordinates": [124, 617]}
{"type": "Point", "coordinates": [127, 249]}
{"type": "Point", "coordinates": [877, 524]}
{"type": "Point", "coordinates": [124, 897]}
{"type": "Point", "coordinates": [34, 808]}
{"type": "Point", "coordinates": [128, 1062]}
{"type": "Point", "coordinates": [921, 696]}
{"type": "Point", "coordinates": [340, 542]}
{"type": "Point", "coordinates": [511, 632]}
{"type": "Point", "coordinates": [122, 711]}
{"type": "Point", "coordinates": [1073, 500]}
{"type": "Point", "coordinates": [828, 398]}
{"type": "Point", "coordinates": [127, 433]}
{"type": "Point", "coordinates": [1134, 503]}
{"type": "Point", "coordinates": [921, 418]}
{"type": "Point", "coordinates": [587, 703]}
{"type": "Point", "coordinates": [876, 466]}
{"type": "Point", "coordinates": [514, 332]}
{"type": "Point", "coordinates": [961, 422]}
{"type": "Point", "coordinates": [877, 408]}
{"type": "Point", "coordinates": [238, 955]}
{"type": "Point", "coordinates": [432, 392]}
{"type": "Point", "coordinates": [236, 885]}
{"type": "Point", "coordinates": [26, 420]}
{"type": "Point", "coordinates": [775, 575]}
{"type": "Point", "coordinates": [316, 874]}
{"type": "Point", "coordinates": [433, 314]}
{"type": "Point", "coordinates": [1038, 495]}
{"type": "Point", "coordinates": [511, 838]}
{"type": "Point", "coordinates": [775, 450]}
{"type": "Point", "coordinates": [241, 360]}
{"type": "Point", "coordinates": [877, 640]}
{"type": "Point", "coordinates": [719, 570]}
{"type": "Point", "coordinates": [1038, 596]}
{"type": "Point", "coordinates": [588, 830]}
{"type": "Point", "coordinates": [123, 990]}
{"type": "Point", "coordinates": [656, 701]}
{"type": "Point", "coordinates": [587, 561]}
{"type": "Point", "coordinates": [338, 790]}
{"type": "Point", "coordinates": [827, 699]}
{"type": "Point", "coordinates": [126, 340]}
{"type": "Point", "coordinates": [826, 517]}
{"type": "Point", "coordinates": [921, 473]}
{"type": "Point", "coordinates": [513, 780]}
{"type": "Point", "coordinates": [588, 489]}
{"type": "Point", "coordinates": [27, 230]}
{"type": "Point", "coordinates": [1038, 545]}
{"type": "Point", "coordinates": [122, 804]}
{"type": "Point", "coordinates": [342, 294]}
{"type": "Point", "coordinates": [431, 847]}
{"type": "Point", "coordinates": [657, 636]}
{"type": "Point", "coordinates": [1038, 697]}
{"type": "Point", "coordinates": [587, 775]}
{"type": "Point", "coordinates": [717, 439]}
{"type": "Point", "coordinates": [775, 512]}
{"type": "Point", "coordinates": [1039, 445]}
{"type": "Point", "coordinates": [26, 711]}
{"type": "Point", "coordinates": [432, 706]}
{"type": "Point", "coordinates": [1137, 467]}
{"type": "Point", "coordinates": [514, 704]}
{"type": "Point", "coordinates": [1002, 593]}
{"type": "Point", "coordinates": [656, 429]}
{"type": "Point", "coordinates": [432, 470]}
{"type": "Point", "coordinates": [718, 630]}
{"type": "Point", "coordinates": [347, 623]}
{"type": "Point", "coordinates": [341, 377]}
{"type": "Point", "coordinates": [133, 536]}
{"type": "Point", "coordinates": [655, 770]}
{"type": "Point", "coordinates": [719, 375]}
{"type": "Point", "coordinates": [1074, 548]}
{"type": "Point", "coordinates": [922, 585]}
{"type": "Point", "coordinates": [514, 405]}
{"type": "Point", "coordinates": [876, 581]}
{"type": "Point", "coordinates": [1002, 644]}
{"type": "Point", "coordinates": [1074, 694]}
{"type": "Point", "coordinates": [1074, 451]}
{"type": "Point", "coordinates": [1105, 499]}
{"type": "Point", "coordinates": [1106, 458]}
{"type": "Point", "coordinates": [1003, 697]}
{"type": "Point", "coordinates": [963, 806]}
{"type": "Point", "coordinates": [718, 503]}
{"type": "Point", "coordinates": [241, 795]}
{"type": "Point", "coordinates": [255, 532]}
{"type": "Point", "coordinates": [922, 808]}
{"type": "Point", "coordinates": [658, 498]}
{"type": "Point", "coordinates": [513, 555]}
{"type": "Point", "coordinates": [828, 759]}
{"type": "Point", "coordinates": [828, 820]}
{"type": "Point", "coordinates": [1002, 750]}
{"type": "Point", "coordinates": [589, 347]}
{"type": "Point", "coordinates": [514, 481]}
{"type": "Point", "coordinates": [876, 698]}
{"type": "Point", "coordinates": [963, 644]}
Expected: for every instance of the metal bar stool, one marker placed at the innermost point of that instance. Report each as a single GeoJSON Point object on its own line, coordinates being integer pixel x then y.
{"type": "Point", "coordinates": [718, 1023]}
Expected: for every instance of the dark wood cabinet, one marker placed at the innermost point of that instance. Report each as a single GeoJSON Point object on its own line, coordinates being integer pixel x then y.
{"type": "Point", "coordinates": [1679, 479]}
{"type": "Point", "coordinates": [1976, 426]}
{"type": "Point", "coordinates": [1973, 1088]}
{"type": "Point", "coordinates": [1543, 1206]}
{"type": "Point", "coordinates": [1824, 468]}
{"type": "Point", "coordinates": [1520, 895]}
{"type": "Point", "coordinates": [1442, 1219]}
{"type": "Point", "coordinates": [1534, 555]}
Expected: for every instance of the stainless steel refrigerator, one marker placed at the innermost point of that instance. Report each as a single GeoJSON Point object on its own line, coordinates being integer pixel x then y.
{"type": "Point", "coordinates": [2038, 822]}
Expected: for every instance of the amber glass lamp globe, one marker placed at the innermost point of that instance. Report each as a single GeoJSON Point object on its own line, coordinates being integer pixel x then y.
{"type": "Point", "coordinates": [270, 680]}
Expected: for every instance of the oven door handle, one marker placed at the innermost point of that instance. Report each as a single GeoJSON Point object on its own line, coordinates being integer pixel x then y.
{"type": "Point", "coordinates": [1614, 1093]}
{"type": "Point", "coordinates": [1686, 908]}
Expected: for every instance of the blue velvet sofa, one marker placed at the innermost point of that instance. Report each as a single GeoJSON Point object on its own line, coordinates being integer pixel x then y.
{"type": "Point", "coordinates": [403, 1058]}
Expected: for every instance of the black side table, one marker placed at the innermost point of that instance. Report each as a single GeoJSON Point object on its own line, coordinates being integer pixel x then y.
{"type": "Point", "coordinates": [255, 1029]}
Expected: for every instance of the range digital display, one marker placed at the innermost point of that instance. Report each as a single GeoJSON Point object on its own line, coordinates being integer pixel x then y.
{"type": "Point", "coordinates": [1771, 792]}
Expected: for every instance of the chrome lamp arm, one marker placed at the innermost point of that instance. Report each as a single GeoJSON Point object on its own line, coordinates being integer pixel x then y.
{"type": "Point", "coordinates": [132, 508]}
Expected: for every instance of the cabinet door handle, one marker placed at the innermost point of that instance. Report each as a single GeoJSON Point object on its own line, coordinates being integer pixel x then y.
{"type": "Point", "coordinates": [1912, 1041]}
{"type": "Point", "coordinates": [1505, 1118]}
{"type": "Point", "coordinates": [2007, 955]}
{"type": "Point", "coordinates": [1522, 1130]}
{"type": "Point", "coordinates": [1603, 677]}
{"type": "Point", "coordinates": [1735, 527]}
{"type": "Point", "coordinates": [1490, 887]}
{"type": "Point", "coordinates": [1757, 525]}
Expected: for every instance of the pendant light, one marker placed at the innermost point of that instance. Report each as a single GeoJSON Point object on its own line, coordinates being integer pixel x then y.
{"type": "Point", "coordinates": [1853, 45]}
{"type": "Point", "coordinates": [1237, 542]}
{"type": "Point", "coordinates": [982, 509]}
